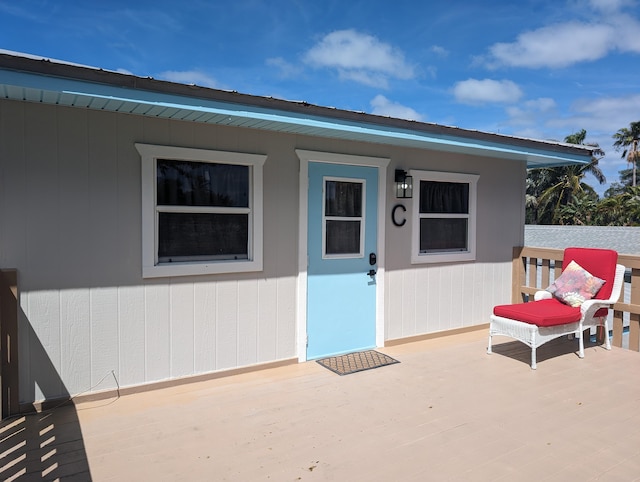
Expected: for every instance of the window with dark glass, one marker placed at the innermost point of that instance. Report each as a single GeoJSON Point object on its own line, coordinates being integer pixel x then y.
{"type": "Point", "coordinates": [343, 217]}
{"type": "Point", "coordinates": [444, 216]}
{"type": "Point", "coordinates": [203, 211]}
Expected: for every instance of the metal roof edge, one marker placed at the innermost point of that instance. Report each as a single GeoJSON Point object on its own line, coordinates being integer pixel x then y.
{"type": "Point", "coordinates": [369, 122]}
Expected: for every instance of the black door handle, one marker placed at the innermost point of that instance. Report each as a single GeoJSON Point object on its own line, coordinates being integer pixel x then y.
{"type": "Point", "coordinates": [372, 272]}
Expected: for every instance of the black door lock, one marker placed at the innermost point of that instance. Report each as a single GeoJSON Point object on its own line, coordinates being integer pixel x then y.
{"type": "Point", "coordinates": [372, 259]}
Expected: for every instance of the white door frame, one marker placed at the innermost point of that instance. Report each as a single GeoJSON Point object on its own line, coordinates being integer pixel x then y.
{"type": "Point", "coordinates": [329, 157]}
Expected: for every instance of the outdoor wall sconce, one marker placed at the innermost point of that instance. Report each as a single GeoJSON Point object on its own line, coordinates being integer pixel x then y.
{"type": "Point", "coordinates": [404, 185]}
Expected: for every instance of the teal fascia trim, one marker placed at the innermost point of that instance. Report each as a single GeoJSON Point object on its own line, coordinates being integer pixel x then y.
{"type": "Point", "coordinates": [121, 99]}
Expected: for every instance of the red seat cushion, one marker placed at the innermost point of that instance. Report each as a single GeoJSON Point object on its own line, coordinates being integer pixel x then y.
{"type": "Point", "coordinates": [549, 312]}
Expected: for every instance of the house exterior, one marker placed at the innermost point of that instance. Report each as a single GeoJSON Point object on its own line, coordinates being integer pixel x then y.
{"type": "Point", "coordinates": [164, 232]}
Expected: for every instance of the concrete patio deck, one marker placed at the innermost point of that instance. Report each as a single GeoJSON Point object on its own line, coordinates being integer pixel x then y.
{"type": "Point", "coordinates": [448, 411]}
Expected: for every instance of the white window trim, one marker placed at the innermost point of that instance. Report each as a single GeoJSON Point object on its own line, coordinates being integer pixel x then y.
{"type": "Point", "coordinates": [362, 218]}
{"type": "Point", "coordinates": [150, 267]}
{"type": "Point", "coordinates": [470, 253]}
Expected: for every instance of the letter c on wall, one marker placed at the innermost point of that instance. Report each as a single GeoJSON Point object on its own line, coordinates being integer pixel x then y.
{"type": "Point", "coordinates": [393, 215]}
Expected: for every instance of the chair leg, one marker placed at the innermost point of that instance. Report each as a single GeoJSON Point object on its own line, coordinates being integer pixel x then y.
{"type": "Point", "coordinates": [489, 345]}
{"type": "Point", "coordinates": [533, 358]}
{"type": "Point", "coordinates": [534, 345]}
{"type": "Point", "coordinates": [581, 341]}
{"type": "Point", "coordinates": [607, 341]}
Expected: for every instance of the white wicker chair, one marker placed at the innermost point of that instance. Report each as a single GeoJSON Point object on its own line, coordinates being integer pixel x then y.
{"type": "Point", "coordinates": [553, 318]}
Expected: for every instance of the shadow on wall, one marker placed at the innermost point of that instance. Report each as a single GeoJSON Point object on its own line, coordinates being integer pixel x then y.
{"type": "Point", "coordinates": [46, 445]}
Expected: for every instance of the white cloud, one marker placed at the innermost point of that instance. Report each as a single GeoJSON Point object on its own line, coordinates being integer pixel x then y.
{"type": "Point", "coordinates": [555, 46]}
{"type": "Point", "coordinates": [440, 51]}
{"type": "Point", "coordinates": [287, 70]}
{"type": "Point", "coordinates": [383, 106]}
{"type": "Point", "coordinates": [627, 34]}
{"type": "Point", "coordinates": [609, 5]}
{"type": "Point", "coordinates": [474, 91]}
{"type": "Point", "coordinates": [195, 77]}
{"type": "Point", "coordinates": [601, 117]}
{"type": "Point", "coordinates": [528, 112]}
{"type": "Point", "coordinates": [359, 57]}
{"type": "Point", "coordinates": [605, 114]}
{"type": "Point", "coordinates": [567, 43]}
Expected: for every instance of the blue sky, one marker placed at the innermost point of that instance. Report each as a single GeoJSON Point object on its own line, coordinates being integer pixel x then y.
{"type": "Point", "coordinates": [540, 69]}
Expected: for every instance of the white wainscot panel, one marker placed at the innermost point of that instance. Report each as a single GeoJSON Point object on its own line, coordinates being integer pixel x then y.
{"type": "Point", "coordinates": [411, 291]}
{"type": "Point", "coordinates": [227, 325]}
{"type": "Point", "coordinates": [44, 374]}
{"type": "Point", "coordinates": [268, 321]}
{"type": "Point", "coordinates": [132, 335]}
{"type": "Point", "coordinates": [157, 332]}
{"type": "Point", "coordinates": [204, 322]}
{"type": "Point", "coordinates": [75, 331]}
{"type": "Point", "coordinates": [181, 307]}
{"type": "Point", "coordinates": [444, 297]}
{"type": "Point", "coordinates": [248, 323]}
{"type": "Point", "coordinates": [286, 347]}
{"type": "Point", "coordinates": [105, 348]}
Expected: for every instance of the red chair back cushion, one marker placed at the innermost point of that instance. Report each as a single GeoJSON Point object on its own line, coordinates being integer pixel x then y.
{"type": "Point", "coordinates": [598, 262]}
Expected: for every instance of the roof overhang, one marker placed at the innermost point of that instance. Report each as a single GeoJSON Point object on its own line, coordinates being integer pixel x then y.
{"type": "Point", "coordinates": [56, 83]}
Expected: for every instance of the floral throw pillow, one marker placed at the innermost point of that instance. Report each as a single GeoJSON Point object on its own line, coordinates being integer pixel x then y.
{"type": "Point", "coordinates": [575, 285]}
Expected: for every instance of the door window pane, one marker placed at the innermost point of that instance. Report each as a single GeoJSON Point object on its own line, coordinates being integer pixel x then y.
{"type": "Point", "coordinates": [343, 237]}
{"type": "Point", "coordinates": [343, 220]}
{"type": "Point", "coordinates": [343, 199]}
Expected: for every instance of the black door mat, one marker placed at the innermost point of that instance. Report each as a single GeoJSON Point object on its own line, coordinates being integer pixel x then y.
{"type": "Point", "coordinates": [356, 362]}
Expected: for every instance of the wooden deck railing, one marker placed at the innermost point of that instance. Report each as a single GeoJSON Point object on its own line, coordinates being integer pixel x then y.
{"type": "Point", "coordinates": [532, 268]}
{"type": "Point", "coordinates": [9, 342]}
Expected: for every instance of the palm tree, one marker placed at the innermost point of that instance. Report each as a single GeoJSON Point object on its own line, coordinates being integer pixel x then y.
{"type": "Point", "coordinates": [579, 211]}
{"type": "Point", "coordinates": [611, 211]}
{"type": "Point", "coordinates": [620, 210]}
{"type": "Point", "coordinates": [557, 186]}
{"type": "Point", "coordinates": [627, 140]}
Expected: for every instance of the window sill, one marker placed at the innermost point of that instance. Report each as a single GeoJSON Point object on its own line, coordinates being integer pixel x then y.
{"type": "Point", "coordinates": [442, 258]}
{"type": "Point", "coordinates": [168, 270]}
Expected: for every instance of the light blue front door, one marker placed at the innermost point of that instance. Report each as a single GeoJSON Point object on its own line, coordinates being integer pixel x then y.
{"type": "Point", "coordinates": [342, 244]}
